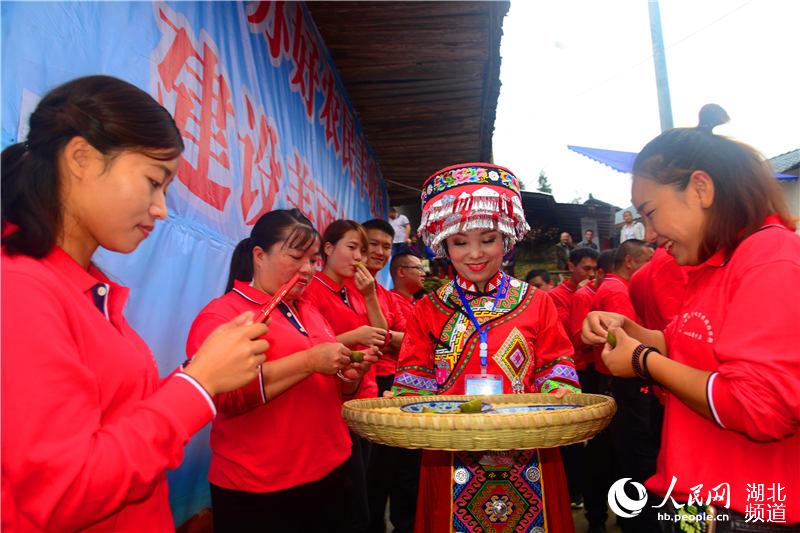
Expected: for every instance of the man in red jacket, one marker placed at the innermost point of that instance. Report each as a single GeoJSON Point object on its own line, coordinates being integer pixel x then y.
{"type": "Point", "coordinates": [634, 443]}
{"type": "Point", "coordinates": [582, 269]}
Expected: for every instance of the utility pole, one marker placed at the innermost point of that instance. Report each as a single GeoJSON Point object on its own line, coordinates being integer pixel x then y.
{"type": "Point", "coordinates": [660, 62]}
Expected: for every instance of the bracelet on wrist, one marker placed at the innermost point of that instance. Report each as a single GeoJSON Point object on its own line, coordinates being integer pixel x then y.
{"type": "Point", "coordinates": [635, 361]}
{"type": "Point", "coordinates": [645, 370]}
{"type": "Point", "coordinates": [345, 379]}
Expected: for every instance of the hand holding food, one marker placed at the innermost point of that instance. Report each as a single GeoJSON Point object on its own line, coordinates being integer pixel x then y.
{"type": "Point", "coordinates": [229, 357]}
{"type": "Point", "coordinates": [370, 336]}
{"type": "Point", "coordinates": [359, 363]}
{"type": "Point", "coordinates": [328, 357]}
{"type": "Point", "coordinates": [364, 281]}
{"type": "Point", "coordinates": [597, 324]}
{"type": "Point", "coordinates": [617, 354]}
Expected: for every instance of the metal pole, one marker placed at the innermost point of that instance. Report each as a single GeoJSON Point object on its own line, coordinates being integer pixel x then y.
{"type": "Point", "coordinates": [660, 63]}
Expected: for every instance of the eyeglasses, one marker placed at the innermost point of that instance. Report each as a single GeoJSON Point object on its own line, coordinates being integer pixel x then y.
{"type": "Point", "coordinates": [420, 267]}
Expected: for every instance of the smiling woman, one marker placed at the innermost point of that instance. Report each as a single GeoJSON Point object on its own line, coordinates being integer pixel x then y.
{"type": "Point", "coordinates": [484, 333]}
{"type": "Point", "coordinates": [268, 431]}
{"type": "Point", "coordinates": [729, 359]}
{"type": "Point", "coordinates": [89, 429]}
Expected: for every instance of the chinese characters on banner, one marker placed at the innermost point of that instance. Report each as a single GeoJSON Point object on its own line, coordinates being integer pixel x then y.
{"type": "Point", "coordinates": [217, 119]}
{"type": "Point", "coordinates": [288, 38]}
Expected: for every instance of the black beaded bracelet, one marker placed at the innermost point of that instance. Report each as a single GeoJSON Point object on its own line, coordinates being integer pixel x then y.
{"type": "Point", "coordinates": [637, 368]}
{"type": "Point", "coordinates": [645, 370]}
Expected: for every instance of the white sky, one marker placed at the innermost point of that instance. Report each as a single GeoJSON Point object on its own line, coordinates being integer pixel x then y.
{"type": "Point", "coordinates": [581, 73]}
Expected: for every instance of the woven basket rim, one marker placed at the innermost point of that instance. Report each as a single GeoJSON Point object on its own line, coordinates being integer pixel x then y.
{"type": "Point", "coordinates": [592, 407]}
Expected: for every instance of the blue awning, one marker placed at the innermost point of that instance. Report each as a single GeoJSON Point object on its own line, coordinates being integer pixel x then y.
{"type": "Point", "coordinates": [623, 161]}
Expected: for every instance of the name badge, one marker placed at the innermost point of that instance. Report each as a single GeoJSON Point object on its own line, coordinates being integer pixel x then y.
{"type": "Point", "coordinates": [483, 384]}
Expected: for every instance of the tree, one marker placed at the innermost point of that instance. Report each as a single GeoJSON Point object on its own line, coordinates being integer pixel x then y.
{"type": "Point", "coordinates": [544, 185]}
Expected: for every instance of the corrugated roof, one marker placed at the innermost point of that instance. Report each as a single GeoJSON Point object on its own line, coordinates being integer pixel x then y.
{"type": "Point", "coordinates": [786, 161]}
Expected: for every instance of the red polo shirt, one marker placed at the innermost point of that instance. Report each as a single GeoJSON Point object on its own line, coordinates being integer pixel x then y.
{"type": "Point", "coordinates": [263, 444]}
{"type": "Point", "coordinates": [581, 305]}
{"type": "Point", "coordinates": [326, 295]}
{"type": "Point", "coordinates": [394, 310]}
{"type": "Point", "coordinates": [562, 296]}
{"type": "Point", "coordinates": [739, 321]}
{"type": "Point", "coordinates": [612, 295]}
{"type": "Point", "coordinates": [89, 429]}
{"type": "Point", "coordinates": [656, 290]}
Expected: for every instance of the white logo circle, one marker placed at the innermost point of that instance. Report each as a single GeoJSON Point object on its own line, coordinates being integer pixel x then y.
{"type": "Point", "coordinates": [621, 504]}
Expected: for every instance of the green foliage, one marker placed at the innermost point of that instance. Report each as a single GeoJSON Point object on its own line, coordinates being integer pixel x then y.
{"type": "Point", "coordinates": [544, 184]}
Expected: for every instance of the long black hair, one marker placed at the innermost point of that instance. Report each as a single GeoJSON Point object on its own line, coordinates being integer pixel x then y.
{"type": "Point", "coordinates": [112, 115]}
{"type": "Point", "coordinates": [289, 226]}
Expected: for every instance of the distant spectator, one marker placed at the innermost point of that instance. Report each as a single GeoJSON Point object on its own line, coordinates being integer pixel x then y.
{"type": "Point", "coordinates": [509, 262]}
{"type": "Point", "coordinates": [588, 240]}
{"type": "Point", "coordinates": [540, 279]}
{"type": "Point", "coordinates": [630, 229]}
{"type": "Point", "coordinates": [402, 231]}
{"type": "Point", "coordinates": [563, 248]}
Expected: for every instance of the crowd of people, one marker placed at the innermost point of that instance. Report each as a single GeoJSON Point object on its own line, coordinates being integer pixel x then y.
{"type": "Point", "coordinates": [703, 367]}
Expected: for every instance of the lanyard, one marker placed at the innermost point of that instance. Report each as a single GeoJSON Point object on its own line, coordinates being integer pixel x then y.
{"type": "Point", "coordinates": [483, 332]}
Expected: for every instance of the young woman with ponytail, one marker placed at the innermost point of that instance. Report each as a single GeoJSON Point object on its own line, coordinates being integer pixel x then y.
{"type": "Point", "coordinates": [279, 444]}
{"type": "Point", "coordinates": [89, 429]}
{"type": "Point", "coordinates": [729, 359]}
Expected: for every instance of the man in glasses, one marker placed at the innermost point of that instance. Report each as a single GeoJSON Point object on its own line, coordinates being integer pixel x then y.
{"type": "Point", "coordinates": [392, 472]}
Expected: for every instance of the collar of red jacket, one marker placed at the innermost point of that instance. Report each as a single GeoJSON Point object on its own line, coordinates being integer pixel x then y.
{"type": "Point", "coordinates": [491, 285]}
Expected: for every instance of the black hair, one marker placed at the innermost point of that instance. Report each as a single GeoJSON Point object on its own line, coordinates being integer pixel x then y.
{"type": "Point", "coordinates": [631, 247]}
{"type": "Point", "coordinates": [540, 272]}
{"type": "Point", "coordinates": [395, 265]}
{"type": "Point", "coordinates": [379, 224]}
{"type": "Point", "coordinates": [605, 261]}
{"type": "Point", "coordinates": [576, 255]}
{"type": "Point", "coordinates": [288, 226]}
{"type": "Point", "coordinates": [112, 115]}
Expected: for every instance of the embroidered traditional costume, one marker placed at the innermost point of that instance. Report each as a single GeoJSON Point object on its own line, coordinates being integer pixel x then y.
{"type": "Point", "coordinates": [526, 346]}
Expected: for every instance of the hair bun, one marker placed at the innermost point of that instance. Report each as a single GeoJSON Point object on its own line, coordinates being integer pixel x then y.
{"type": "Point", "coordinates": [711, 116]}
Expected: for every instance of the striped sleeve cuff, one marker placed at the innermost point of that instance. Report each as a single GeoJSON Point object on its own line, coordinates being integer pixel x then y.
{"type": "Point", "coordinates": [200, 388]}
{"type": "Point", "coordinates": [710, 398]}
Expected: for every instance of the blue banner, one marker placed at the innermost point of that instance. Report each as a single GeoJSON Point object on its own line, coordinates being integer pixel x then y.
{"type": "Point", "coordinates": [266, 121]}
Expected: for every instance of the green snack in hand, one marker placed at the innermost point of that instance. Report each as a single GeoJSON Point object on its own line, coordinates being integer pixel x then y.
{"type": "Point", "coordinates": [612, 340]}
{"type": "Point", "coordinates": [472, 406]}
{"type": "Point", "coordinates": [356, 356]}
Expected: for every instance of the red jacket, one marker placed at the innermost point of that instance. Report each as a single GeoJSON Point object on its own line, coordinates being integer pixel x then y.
{"type": "Point", "coordinates": [612, 295]}
{"type": "Point", "coordinates": [89, 429]}
{"type": "Point", "coordinates": [581, 304]}
{"type": "Point", "coordinates": [395, 309]}
{"type": "Point", "coordinates": [739, 321]}
{"type": "Point", "coordinates": [656, 290]}
{"type": "Point", "coordinates": [261, 444]}
{"type": "Point", "coordinates": [562, 296]}
{"type": "Point", "coordinates": [324, 293]}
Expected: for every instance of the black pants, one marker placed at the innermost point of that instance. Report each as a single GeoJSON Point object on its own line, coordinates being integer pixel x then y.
{"type": "Point", "coordinates": [636, 434]}
{"type": "Point", "coordinates": [358, 517]}
{"type": "Point", "coordinates": [318, 506]}
{"type": "Point", "coordinates": [598, 456]}
{"type": "Point", "coordinates": [393, 474]}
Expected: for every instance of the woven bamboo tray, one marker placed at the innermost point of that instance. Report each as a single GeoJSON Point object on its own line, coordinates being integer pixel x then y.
{"type": "Point", "coordinates": [381, 420]}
